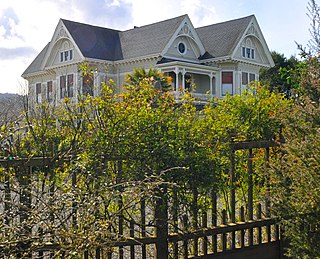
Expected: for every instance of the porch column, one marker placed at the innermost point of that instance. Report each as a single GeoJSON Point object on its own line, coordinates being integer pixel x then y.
{"type": "Point", "coordinates": [183, 82]}
{"type": "Point", "coordinates": [176, 71]}
{"type": "Point", "coordinates": [211, 88]}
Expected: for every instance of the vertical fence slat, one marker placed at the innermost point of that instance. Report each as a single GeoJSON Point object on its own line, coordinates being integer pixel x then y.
{"type": "Point", "coordinates": [242, 232]}
{"type": "Point", "coordinates": [214, 220]}
{"type": "Point", "coordinates": [205, 239]}
{"type": "Point", "coordinates": [132, 250]}
{"type": "Point", "coordinates": [143, 227]}
{"type": "Point", "coordinates": [250, 194]}
{"type": "Point", "coordinates": [185, 242]}
{"type": "Point", "coordinates": [175, 221]}
{"type": "Point", "coordinates": [232, 197]}
{"type": "Point", "coordinates": [224, 236]}
{"type": "Point", "coordinates": [259, 234]}
{"type": "Point", "coordinates": [267, 200]}
{"type": "Point", "coordinates": [195, 219]}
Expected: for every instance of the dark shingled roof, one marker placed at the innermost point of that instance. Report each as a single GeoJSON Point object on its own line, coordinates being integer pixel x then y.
{"type": "Point", "coordinates": [220, 39]}
{"type": "Point", "coordinates": [95, 42]}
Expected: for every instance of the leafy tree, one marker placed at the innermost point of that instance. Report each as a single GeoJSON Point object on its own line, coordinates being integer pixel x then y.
{"type": "Point", "coordinates": [279, 78]}
{"type": "Point", "coordinates": [296, 172]}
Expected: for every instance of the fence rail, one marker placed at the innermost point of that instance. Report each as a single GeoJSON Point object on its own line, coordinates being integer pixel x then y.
{"type": "Point", "coordinates": [176, 231]}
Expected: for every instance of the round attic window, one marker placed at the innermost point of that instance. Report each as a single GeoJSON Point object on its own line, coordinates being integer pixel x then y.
{"type": "Point", "coordinates": [182, 48]}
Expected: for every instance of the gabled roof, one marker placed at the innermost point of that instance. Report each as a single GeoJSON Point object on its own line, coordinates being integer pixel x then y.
{"type": "Point", "coordinates": [95, 42]}
{"type": "Point", "coordinates": [220, 39]}
{"type": "Point", "coordinates": [35, 66]}
{"type": "Point", "coordinates": [149, 39]}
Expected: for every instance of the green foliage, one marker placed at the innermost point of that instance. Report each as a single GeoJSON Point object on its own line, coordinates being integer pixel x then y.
{"type": "Point", "coordinates": [296, 174]}
{"type": "Point", "coordinates": [106, 153]}
{"type": "Point", "coordinates": [280, 78]}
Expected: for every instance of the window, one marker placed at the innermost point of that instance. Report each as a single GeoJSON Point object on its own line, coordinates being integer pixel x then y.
{"type": "Point", "coordinates": [246, 79]}
{"type": "Point", "coordinates": [63, 92]}
{"type": "Point", "coordinates": [227, 83]}
{"type": "Point", "coordinates": [66, 55]}
{"type": "Point", "coordinates": [182, 48]}
{"type": "Point", "coordinates": [49, 91]}
{"type": "Point", "coordinates": [244, 82]}
{"type": "Point", "coordinates": [252, 77]}
{"type": "Point", "coordinates": [70, 85]}
{"type": "Point", "coordinates": [87, 85]}
{"type": "Point", "coordinates": [247, 50]}
{"type": "Point", "coordinates": [38, 92]}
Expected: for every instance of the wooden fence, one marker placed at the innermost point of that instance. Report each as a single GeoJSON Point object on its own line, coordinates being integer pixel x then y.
{"type": "Point", "coordinates": [165, 229]}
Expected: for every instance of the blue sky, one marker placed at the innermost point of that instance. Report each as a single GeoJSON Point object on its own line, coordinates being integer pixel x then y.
{"type": "Point", "coordinates": [26, 26]}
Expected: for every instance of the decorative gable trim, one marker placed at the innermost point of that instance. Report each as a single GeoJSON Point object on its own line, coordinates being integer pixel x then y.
{"type": "Point", "coordinates": [61, 32]}
{"type": "Point", "coordinates": [253, 30]}
{"type": "Point", "coordinates": [186, 29]}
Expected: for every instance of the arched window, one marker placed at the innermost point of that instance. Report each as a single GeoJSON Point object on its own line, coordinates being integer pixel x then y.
{"type": "Point", "coordinates": [248, 49]}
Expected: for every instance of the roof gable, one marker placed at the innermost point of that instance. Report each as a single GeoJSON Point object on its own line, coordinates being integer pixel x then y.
{"type": "Point", "coordinates": [185, 33]}
{"type": "Point", "coordinates": [254, 32]}
{"type": "Point", "coordinates": [221, 39]}
{"type": "Point", "coordinates": [149, 39]}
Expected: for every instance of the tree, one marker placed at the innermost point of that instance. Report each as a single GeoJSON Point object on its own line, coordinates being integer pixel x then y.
{"type": "Point", "coordinates": [279, 78]}
{"type": "Point", "coordinates": [296, 173]}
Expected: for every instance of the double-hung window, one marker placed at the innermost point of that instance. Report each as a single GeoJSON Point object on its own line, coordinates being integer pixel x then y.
{"type": "Point", "coordinates": [49, 91]}
{"type": "Point", "coordinates": [227, 83]}
{"type": "Point", "coordinates": [38, 92]}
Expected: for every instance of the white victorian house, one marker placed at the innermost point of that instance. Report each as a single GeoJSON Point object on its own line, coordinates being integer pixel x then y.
{"type": "Point", "coordinates": [218, 58]}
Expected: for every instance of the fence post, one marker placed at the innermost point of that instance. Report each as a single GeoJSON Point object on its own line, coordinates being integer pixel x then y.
{"type": "Point", "coordinates": [242, 232]}
{"type": "Point", "coordinates": [161, 219]}
{"type": "Point", "coordinates": [250, 194]}
{"type": "Point", "coordinates": [214, 220]}
{"type": "Point", "coordinates": [175, 221]}
{"type": "Point", "coordinates": [232, 197]}
{"type": "Point", "coordinates": [224, 236]}
{"type": "Point", "coordinates": [267, 200]}
{"type": "Point", "coordinates": [259, 237]}
{"type": "Point", "coordinates": [132, 250]}
{"type": "Point", "coordinates": [143, 227]}
{"type": "Point", "coordinates": [195, 219]}
{"type": "Point", "coordinates": [205, 239]}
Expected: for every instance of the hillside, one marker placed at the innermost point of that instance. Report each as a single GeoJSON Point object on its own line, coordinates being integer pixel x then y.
{"type": "Point", "coordinates": [11, 106]}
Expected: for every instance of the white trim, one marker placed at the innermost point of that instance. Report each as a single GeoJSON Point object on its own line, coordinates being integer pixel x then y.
{"type": "Point", "coordinates": [196, 39]}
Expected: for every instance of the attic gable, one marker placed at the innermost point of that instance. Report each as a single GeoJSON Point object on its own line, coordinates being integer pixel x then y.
{"type": "Point", "coordinates": [221, 39]}
{"type": "Point", "coordinates": [252, 46]}
{"type": "Point", "coordinates": [184, 43]}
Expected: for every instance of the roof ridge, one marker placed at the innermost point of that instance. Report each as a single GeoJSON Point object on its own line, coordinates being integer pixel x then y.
{"type": "Point", "coordinates": [154, 23]}
{"type": "Point", "coordinates": [91, 25]}
{"type": "Point", "coordinates": [228, 21]}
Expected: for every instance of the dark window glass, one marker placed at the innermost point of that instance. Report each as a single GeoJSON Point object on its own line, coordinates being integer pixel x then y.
{"type": "Point", "coordinates": [227, 77]}
{"type": "Point", "coordinates": [248, 52]}
{"type": "Point", "coordinates": [252, 77]}
{"type": "Point", "coordinates": [244, 78]}
{"type": "Point", "coordinates": [181, 48]}
{"type": "Point", "coordinates": [63, 92]}
{"type": "Point", "coordinates": [70, 85]}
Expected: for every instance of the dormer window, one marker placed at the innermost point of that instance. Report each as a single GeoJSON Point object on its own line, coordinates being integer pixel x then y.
{"type": "Point", "coordinates": [248, 50]}
{"type": "Point", "coordinates": [66, 53]}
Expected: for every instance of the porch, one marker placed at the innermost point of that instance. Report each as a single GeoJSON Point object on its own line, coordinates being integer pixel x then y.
{"type": "Point", "coordinates": [201, 80]}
